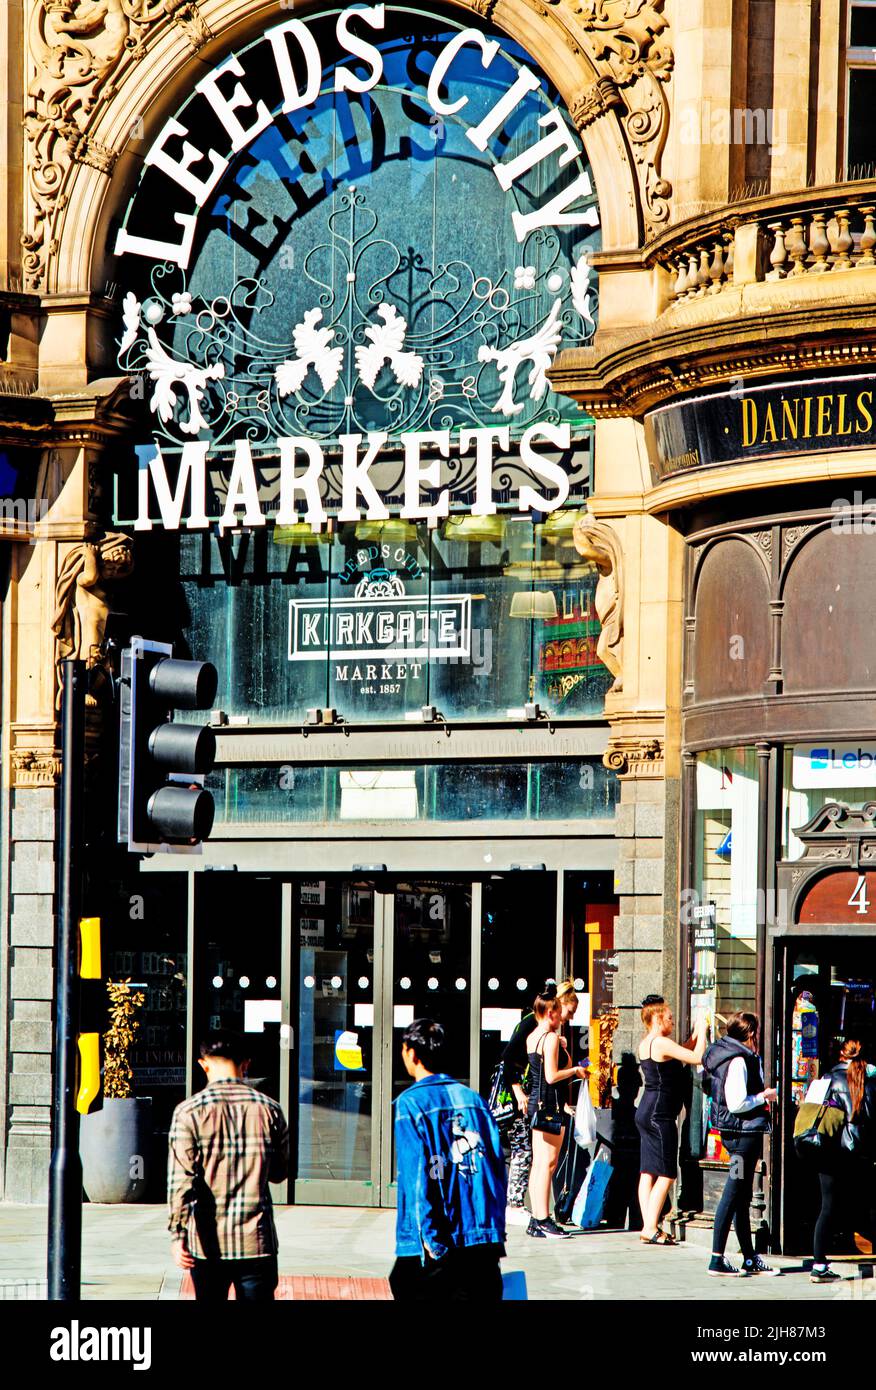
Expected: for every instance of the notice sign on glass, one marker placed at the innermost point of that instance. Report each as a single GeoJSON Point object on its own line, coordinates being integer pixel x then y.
{"type": "Point", "coordinates": [705, 927]}
{"type": "Point", "coordinates": [605, 967]}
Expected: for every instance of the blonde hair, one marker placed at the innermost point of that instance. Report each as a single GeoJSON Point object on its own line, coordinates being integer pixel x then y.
{"type": "Point", "coordinates": [567, 994]}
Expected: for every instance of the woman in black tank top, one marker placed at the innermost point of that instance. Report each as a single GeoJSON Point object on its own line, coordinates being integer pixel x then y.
{"type": "Point", "coordinates": [662, 1062]}
{"type": "Point", "coordinates": [546, 1107]}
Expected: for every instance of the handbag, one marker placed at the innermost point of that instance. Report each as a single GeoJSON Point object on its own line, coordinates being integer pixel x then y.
{"type": "Point", "coordinates": [501, 1102]}
{"type": "Point", "coordinates": [818, 1128]}
{"type": "Point", "coordinates": [548, 1119]}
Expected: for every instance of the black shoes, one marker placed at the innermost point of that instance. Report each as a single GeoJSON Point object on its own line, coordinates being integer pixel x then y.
{"type": "Point", "coordinates": [546, 1230]}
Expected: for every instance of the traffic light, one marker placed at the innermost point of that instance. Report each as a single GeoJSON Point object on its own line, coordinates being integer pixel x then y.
{"type": "Point", "coordinates": [92, 1008]}
{"type": "Point", "coordinates": [162, 801]}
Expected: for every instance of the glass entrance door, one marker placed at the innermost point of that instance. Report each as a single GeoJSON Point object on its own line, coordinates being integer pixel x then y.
{"type": "Point", "coordinates": [427, 974]}
{"type": "Point", "coordinates": [368, 957]}
{"type": "Point", "coordinates": [340, 929]}
{"type": "Point", "coordinates": [828, 994]}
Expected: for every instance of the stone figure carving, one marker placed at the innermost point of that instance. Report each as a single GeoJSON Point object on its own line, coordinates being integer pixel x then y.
{"type": "Point", "coordinates": [82, 599]}
{"type": "Point", "coordinates": [598, 543]}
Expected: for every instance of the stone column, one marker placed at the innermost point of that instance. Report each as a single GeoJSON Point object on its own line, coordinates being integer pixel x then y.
{"type": "Point", "coordinates": [31, 936]}
{"type": "Point", "coordinates": [646, 880]}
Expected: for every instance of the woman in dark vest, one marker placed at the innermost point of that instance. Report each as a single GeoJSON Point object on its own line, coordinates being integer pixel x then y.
{"type": "Point", "coordinates": [852, 1086]}
{"type": "Point", "coordinates": [741, 1111]}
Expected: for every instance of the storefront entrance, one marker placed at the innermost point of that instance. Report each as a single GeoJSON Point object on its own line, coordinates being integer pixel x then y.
{"type": "Point", "coordinates": [375, 954]}
{"type": "Point", "coordinates": [323, 975]}
{"type": "Point", "coordinates": [828, 989]}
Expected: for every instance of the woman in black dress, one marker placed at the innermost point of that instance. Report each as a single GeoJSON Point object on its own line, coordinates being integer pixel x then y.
{"type": "Point", "coordinates": [662, 1062]}
{"type": "Point", "coordinates": [546, 1113]}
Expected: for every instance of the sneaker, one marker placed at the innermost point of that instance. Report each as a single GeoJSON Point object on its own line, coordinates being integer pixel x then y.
{"type": "Point", "coordinates": [757, 1266]}
{"type": "Point", "coordinates": [722, 1269]}
{"type": "Point", "coordinates": [517, 1215]}
{"type": "Point", "coordinates": [824, 1276]}
{"type": "Point", "coordinates": [546, 1230]}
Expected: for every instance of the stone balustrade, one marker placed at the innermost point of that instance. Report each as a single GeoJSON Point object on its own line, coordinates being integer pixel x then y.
{"type": "Point", "coordinates": [769, 239]}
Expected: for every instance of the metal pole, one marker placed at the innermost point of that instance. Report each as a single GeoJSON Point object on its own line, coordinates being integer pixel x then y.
{"type": "Point", "coordinates": [65, 1171]}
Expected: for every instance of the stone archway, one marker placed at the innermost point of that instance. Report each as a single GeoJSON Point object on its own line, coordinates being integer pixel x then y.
{"type": "Point", "coordinates": [106, 74]}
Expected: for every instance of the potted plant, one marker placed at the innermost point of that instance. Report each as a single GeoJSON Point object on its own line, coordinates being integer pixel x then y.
{"type": "Point", "coordinates": [115, 1142]}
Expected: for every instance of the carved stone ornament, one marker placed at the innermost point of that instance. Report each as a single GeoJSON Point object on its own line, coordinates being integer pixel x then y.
{"type": "Point", "coordinates": [77, 48]}
{"type": "Point", "coordinates": [82, 598]}
{"type": "Point", "coordinates": [634, 756]}
{"type": "Point", "coordinates": [35, 768]}
{"type": "Point", "coordinates": [80, 49]}
{"type": "Point", "coordinates": [598, 543]}
{"type": "Point", "coordinates": [626, 41]}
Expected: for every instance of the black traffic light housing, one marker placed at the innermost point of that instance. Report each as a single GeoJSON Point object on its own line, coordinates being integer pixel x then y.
{"type": "Point", "coordinates": [162, 804]}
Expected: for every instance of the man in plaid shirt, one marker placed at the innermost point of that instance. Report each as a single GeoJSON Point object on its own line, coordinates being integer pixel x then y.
{"type": "Point", "coordinates": [226, 1143]}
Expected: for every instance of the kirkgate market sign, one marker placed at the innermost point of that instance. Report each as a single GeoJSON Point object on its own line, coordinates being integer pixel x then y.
{"type": "Point", "coordinates": [359, 243]}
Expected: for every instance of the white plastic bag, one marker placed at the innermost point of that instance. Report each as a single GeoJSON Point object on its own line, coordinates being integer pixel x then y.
{"type": "Point", "coordinates": [585, 1118]}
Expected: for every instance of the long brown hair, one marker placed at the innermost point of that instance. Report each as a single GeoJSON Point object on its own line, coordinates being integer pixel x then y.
{"type": "Point", "coordinates": [856, 1072]}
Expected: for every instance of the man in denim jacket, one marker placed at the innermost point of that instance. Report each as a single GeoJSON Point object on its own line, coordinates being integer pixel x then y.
{"type": "Point", "coordinates": [450, 1227]}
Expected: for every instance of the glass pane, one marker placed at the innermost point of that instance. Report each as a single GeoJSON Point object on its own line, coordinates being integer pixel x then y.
{"type": "Point", "coordinates": [863, 27]}
{"type": "Point", "coordinates": [238, 971]}
{"type": "Point", "coordinates": [243, 592]}
{"type": "Point", "coordinates": [335, 923]}
{"type": "Point", "coordinates": [726, 877]}
{"type": "Point", "coordinates": [518, 953]}
{"type": "Point", "coordinates": [378, 620]}
{"type": "Point", "coordinates": [146, 944]}
{"type": "Point", "coordinates": [457, 791]}
{"type": "Point", "coordinates": [569, 678]}
{"type": "Point", "coordinates": [431, 973]}
{"type": "Point", "coordinates": [861, 159]}
{"type": "Point", "coordinates": [489, 559]}
{"type": "Point", "coordinates": [804, 764]}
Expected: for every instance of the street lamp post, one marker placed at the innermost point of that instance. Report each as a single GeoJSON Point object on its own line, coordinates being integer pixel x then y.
{"type": "Point", "coordinates": [65, 1171]}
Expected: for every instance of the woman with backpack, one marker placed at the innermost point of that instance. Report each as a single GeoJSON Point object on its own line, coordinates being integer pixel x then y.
{"type": "Point", "coordinates": [741, 1112]}
{"type": "Point", "coordinates": [847, 1164]}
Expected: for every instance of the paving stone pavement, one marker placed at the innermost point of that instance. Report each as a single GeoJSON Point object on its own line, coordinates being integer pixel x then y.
{"type": "Point", "coordinates": [125, 1255]}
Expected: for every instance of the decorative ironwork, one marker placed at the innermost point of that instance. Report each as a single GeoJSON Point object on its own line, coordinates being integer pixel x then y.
{"type": "Point", "coordinates": [371, 353]}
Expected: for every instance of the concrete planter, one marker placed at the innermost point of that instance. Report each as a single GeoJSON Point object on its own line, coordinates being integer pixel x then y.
{"type": "Point", "coordinates": [115, 1145]}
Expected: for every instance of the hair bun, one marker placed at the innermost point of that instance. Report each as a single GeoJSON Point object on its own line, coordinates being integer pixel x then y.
{"type": "Point", "coordinates": [652, 999]}
{"type": "Point", "coordinates": [550, 990]}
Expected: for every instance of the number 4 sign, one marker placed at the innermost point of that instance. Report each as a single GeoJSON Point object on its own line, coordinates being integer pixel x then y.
{"type": "Point", "coordinates": [859, 899]}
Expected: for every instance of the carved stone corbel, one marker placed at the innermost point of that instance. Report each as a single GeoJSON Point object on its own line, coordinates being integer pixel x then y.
{"type": "Point", "coordinates": [634, 756]}
{"type": "Point", "coordinates": [600, 544]}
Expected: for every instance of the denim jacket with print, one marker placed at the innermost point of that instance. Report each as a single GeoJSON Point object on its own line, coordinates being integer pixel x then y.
{"type": "Point", "coordinates": [451, 1169]}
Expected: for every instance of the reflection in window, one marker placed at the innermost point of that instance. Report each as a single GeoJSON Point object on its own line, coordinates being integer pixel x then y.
{"type": "Point", "coordinates": [725, 876]}
{"type": "Point", "coordinates": [478, 618]}
{"type": "Point", "coordinates": [861, 79]}
{"type": "Point", "coordinates": [457, 791]}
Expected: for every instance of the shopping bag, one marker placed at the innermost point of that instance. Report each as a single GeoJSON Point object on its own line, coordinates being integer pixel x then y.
{"type": "Point", "coordinates": [570, 1173]}
{"type": "Point", "coordinates": [501, 1102]}
{"type": "Point", "coordinates": [585, 1118]}
{"type": "Point", "coordinates": [590, 1202]}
